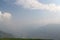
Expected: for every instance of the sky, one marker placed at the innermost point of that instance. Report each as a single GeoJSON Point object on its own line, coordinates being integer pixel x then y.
{"type": "Point", "coordinates": [31, 10]}
{"type": "Point", "coordinates": [15, 14]}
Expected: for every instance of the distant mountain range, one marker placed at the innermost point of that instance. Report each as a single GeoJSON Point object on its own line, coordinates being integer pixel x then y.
{"type": "Point", "coordinates": [50, 31]}
{"type": "Point", "coordinates": [5, 35]}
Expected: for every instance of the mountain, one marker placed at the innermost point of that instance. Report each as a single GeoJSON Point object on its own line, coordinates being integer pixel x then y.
{"type": "Point", "coordinates": [5, 35]}
{"type": "Point", "coordinates": [50, 31]}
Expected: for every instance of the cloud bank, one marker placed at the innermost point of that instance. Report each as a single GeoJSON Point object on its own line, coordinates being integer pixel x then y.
{"type": "Point", "coordinates": [35, 4]}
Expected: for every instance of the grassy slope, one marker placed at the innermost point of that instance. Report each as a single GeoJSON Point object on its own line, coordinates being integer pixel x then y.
{"type": "Point", "coordinates": [21, 39]}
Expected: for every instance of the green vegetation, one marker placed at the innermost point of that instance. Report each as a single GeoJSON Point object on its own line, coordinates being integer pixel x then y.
{"type": "Point", "coordinates": [21, 39]}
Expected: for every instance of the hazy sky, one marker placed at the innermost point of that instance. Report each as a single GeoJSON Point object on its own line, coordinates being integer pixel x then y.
{"type": "Point", "coordinates": [17, 13]}
{"type": "Point", "coordinates": [32, 11]}
{"type": "Point", "coordinates": [22, 16]}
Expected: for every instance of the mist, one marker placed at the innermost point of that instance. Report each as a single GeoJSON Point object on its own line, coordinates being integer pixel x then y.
{"type": "Point", "coordinates": [30, 18]}
{"type": "Point", "coordinates": [44, 28]}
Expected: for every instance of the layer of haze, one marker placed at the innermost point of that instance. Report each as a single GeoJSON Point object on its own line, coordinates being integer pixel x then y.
{"type": "Point", "coordinates": [30, 18]}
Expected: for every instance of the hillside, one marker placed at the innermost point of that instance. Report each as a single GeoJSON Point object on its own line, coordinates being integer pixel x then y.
{"type": "Point", "coordinates": [5, 35]}
{"type": "Point", "coordinates": [21, 39]}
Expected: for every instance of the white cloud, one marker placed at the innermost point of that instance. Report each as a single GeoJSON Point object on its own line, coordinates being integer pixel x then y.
{"type": "Point", "coordinates": [35, 4]}
{"type": "Point", "coordinates": [5, 16]}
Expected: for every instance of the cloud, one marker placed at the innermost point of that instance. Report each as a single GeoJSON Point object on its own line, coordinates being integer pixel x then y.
{"type": "Point", "coordinates": [5, 16]}
{"type": "Point", "coordinates": [35, 4]}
